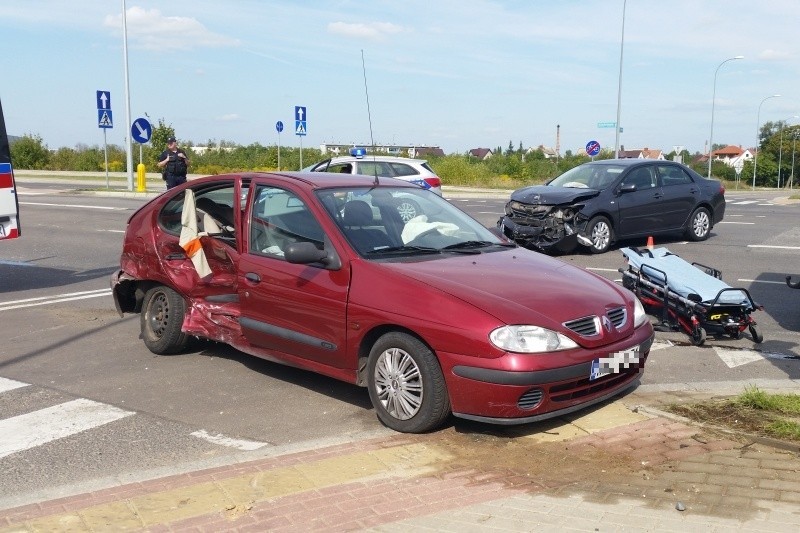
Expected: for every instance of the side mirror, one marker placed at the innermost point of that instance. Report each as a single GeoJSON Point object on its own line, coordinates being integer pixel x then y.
{"type": "Point", "coordinates": [627, 187]}
{"type": "Point", "coordinates": [305, 253]}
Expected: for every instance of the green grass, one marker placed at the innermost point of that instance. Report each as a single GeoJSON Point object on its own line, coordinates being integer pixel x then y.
{"type": "Point", "coordinates": [755, 398]}
{"type": "Point", "coordinates": [784, 429]}
{"type": "Point", "coordinates": [781, 410]}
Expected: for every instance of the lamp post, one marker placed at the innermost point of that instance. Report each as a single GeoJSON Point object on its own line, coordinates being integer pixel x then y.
{"type": "Point", "coordinates": [794, 144]}
{"type": "Point", "coordinates": [780, 150]}
{"type": "Point", "coordinates": [758, 122]}
{"type": "Point", "coordinates": [713, 101]}
{"type": "Point", "coordinates": [619, 85]}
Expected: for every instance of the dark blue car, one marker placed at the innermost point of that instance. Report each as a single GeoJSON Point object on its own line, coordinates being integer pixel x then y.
{"type": "Point", "coordinates": [598, 203]}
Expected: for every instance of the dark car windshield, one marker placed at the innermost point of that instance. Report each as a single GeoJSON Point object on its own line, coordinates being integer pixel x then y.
{"type": "Point", "coordinates": [589, 176]}
{"type": "Point", "coordinates": [384, 221]}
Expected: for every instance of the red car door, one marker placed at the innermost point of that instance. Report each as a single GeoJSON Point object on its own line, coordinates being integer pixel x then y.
{"type": "Point", "coordinates": [289, 309]}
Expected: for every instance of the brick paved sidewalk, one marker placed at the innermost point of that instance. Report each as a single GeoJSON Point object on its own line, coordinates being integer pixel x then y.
{"type": "Point", "coordinates": [607, 469]}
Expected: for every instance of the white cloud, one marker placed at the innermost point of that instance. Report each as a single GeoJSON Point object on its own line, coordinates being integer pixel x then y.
{"type": "Point", "coordinates": [769, 55]}
{"type": "Point", "coordinates": [377, 31]}
{"type": "Point", "coordinates": [150, 30]}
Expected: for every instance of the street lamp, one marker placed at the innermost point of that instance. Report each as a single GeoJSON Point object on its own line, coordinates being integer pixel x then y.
{"type": "Point", "coordinates": [758, 122]}
{"type": "Point", "coordinates": [794, 145]}
{"type": "Point", "coordinates": [619, 86]}
{"type": "Point", "coordinates": [713, 100]}
{"type": "Point", "coordinates": [780, 150]}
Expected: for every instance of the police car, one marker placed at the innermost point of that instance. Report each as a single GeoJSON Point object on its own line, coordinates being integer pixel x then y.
{"type": "Point", "coordinates": [9, 207]}
{"type": "Point", "coordinates": [416, 171]}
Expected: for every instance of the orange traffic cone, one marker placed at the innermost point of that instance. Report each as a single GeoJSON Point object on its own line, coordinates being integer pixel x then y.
{"type": "Point", "coordinates": [650, 242]}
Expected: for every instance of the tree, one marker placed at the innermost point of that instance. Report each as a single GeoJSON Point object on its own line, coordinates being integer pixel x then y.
{"type": "Point", "coordinates": [30, 152]}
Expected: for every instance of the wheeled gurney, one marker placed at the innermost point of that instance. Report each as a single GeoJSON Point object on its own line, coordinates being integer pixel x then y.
{"type": "Point", "coordinates": [688, 296]}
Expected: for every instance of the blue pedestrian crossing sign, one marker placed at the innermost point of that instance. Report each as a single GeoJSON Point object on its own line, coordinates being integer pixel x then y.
{"type": "Point", "coordinates": [104, 119]}
{"type": "Point", "coordinates": [300, 120]}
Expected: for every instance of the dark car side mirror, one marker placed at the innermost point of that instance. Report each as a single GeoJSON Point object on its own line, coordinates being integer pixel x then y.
{"type": "Point", "coordinates": [627, 187]}
{"type": "Point", "coordinates": [305, 253]}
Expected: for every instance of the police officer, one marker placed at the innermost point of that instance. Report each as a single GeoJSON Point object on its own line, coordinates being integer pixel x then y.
{"type": "Point", "coordinates": [174, 163]}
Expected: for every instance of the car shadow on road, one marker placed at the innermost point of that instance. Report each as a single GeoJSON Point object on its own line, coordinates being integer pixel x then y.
{"type": "Point", "coordinates": [25, 276]}
{"type": "Point", "coordinates": [333, 388]}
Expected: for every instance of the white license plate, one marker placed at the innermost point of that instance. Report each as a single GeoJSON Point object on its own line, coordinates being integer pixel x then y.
{"type": "Point", "coordinates": [614, 363]}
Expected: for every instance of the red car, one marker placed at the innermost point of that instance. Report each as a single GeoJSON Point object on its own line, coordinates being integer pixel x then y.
{"type": "Point", "coordinates": [436, 315]}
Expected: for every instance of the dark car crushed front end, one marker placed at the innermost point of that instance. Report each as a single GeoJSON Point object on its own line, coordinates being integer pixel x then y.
{"type": "Point", "coordinates": [599, 203]}
{"type": "Point", "coordinates": [545, 218]}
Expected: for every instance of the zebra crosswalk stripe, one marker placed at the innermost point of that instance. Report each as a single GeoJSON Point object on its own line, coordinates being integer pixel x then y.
{"type": "Point", "coordinates": [26, 431]}
{"type": "Point", "coordinates": [9, 384]}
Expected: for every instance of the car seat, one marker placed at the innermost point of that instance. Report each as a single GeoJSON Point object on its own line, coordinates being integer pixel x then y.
{"type": "Point", "coordinates": [360, 227]}
{"type": "Point", "coordinates": [221, 213]}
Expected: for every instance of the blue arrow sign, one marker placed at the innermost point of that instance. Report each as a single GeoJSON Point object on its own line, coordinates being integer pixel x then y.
{"type": "Point", "coordinates": [141, 130]}
{"type": "Point", "coordinates": [279, 126]}
{"type": "Point", "coordinates": [300, 113]}
{"type": "Point", "coordinates": [103, 100]}
{"type": "Point", "coordinates": [104, 119]}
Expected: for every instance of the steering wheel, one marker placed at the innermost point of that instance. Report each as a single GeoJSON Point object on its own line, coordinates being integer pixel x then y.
{"type": "Point", "coordinates": [424, 234]}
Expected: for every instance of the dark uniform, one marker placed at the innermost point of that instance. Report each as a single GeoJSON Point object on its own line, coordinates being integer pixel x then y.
{"type": "Point", "coordinates": [174, 164]}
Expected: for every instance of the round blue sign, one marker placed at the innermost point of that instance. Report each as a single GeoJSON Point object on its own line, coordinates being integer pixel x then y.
{"type": "Point", "coordinates": [593, 148]}
{"type": "Point", "coordinates": [141, 130]}
{"type": "Point", "coordinates": [279, 126]}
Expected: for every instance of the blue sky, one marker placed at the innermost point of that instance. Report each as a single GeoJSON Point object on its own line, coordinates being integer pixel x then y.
{"type": "Point", "coordinates": [459, 74]}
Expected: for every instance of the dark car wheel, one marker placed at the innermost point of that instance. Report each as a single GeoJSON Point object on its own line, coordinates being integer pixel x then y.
{"type": "Point", "coordinates": [600, 233]}
{"type": "Point", "coordinates": [699, 224]}
{"type": "Point", "coordinates": [162, 315]}
{"type": "Point", "coordinates": [407, 209]}
{"type": "Point", "coordinates": [406, 384]}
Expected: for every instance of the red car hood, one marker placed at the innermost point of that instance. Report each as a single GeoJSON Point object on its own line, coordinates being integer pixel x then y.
{"type": "Point", "coordinates": [521, 287]}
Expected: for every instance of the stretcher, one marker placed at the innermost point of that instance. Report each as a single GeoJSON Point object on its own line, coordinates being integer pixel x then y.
{"type": "Point", "coordinates": [688, 296]}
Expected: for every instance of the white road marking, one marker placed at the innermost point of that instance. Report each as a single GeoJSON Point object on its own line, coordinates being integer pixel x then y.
{"type": "Point", "coordinates": [9, 384]}
{"type": "Point", "coordinates": [772, 246]}
{"type": "Point", "coordinates": [46, 300]}
{"type": "Point", "coordinates": [746, 202]}
{"type": "Point", "coordinates": [222, 440]}
{"type": "Point", "coordinates": [762, 281]}
{"type": "Point", "coordinates": [729, 222]}
{"type": "Point", "coordinates": [78, 206]}
{"type": "Point", "coordinates": [602, 269]}
{"type": "Point", "coordinates": [660, 345]}
{"type": "Point", "coordinates": [27, 431]}
{"type": "Point", "coordinates": [734, 358]}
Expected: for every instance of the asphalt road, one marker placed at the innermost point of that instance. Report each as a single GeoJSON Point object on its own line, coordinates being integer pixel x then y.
{"type": "Point", "coordinates": [63, 343]}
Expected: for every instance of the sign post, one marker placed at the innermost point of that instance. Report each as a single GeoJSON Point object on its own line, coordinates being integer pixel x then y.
{"type": "Point", "coordinates": [104, 121]}
{"type": "Point", "coordinates": [300, 127]}
{"type": "Point", "coordinates": [279, 127]}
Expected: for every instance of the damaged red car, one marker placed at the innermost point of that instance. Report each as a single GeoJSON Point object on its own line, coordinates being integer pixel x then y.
{"type": "Point", "coordinates": [436, 315]}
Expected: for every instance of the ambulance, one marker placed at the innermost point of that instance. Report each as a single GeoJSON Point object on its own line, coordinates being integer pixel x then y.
{"type": "Point", "coordinates": [9, 206]}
